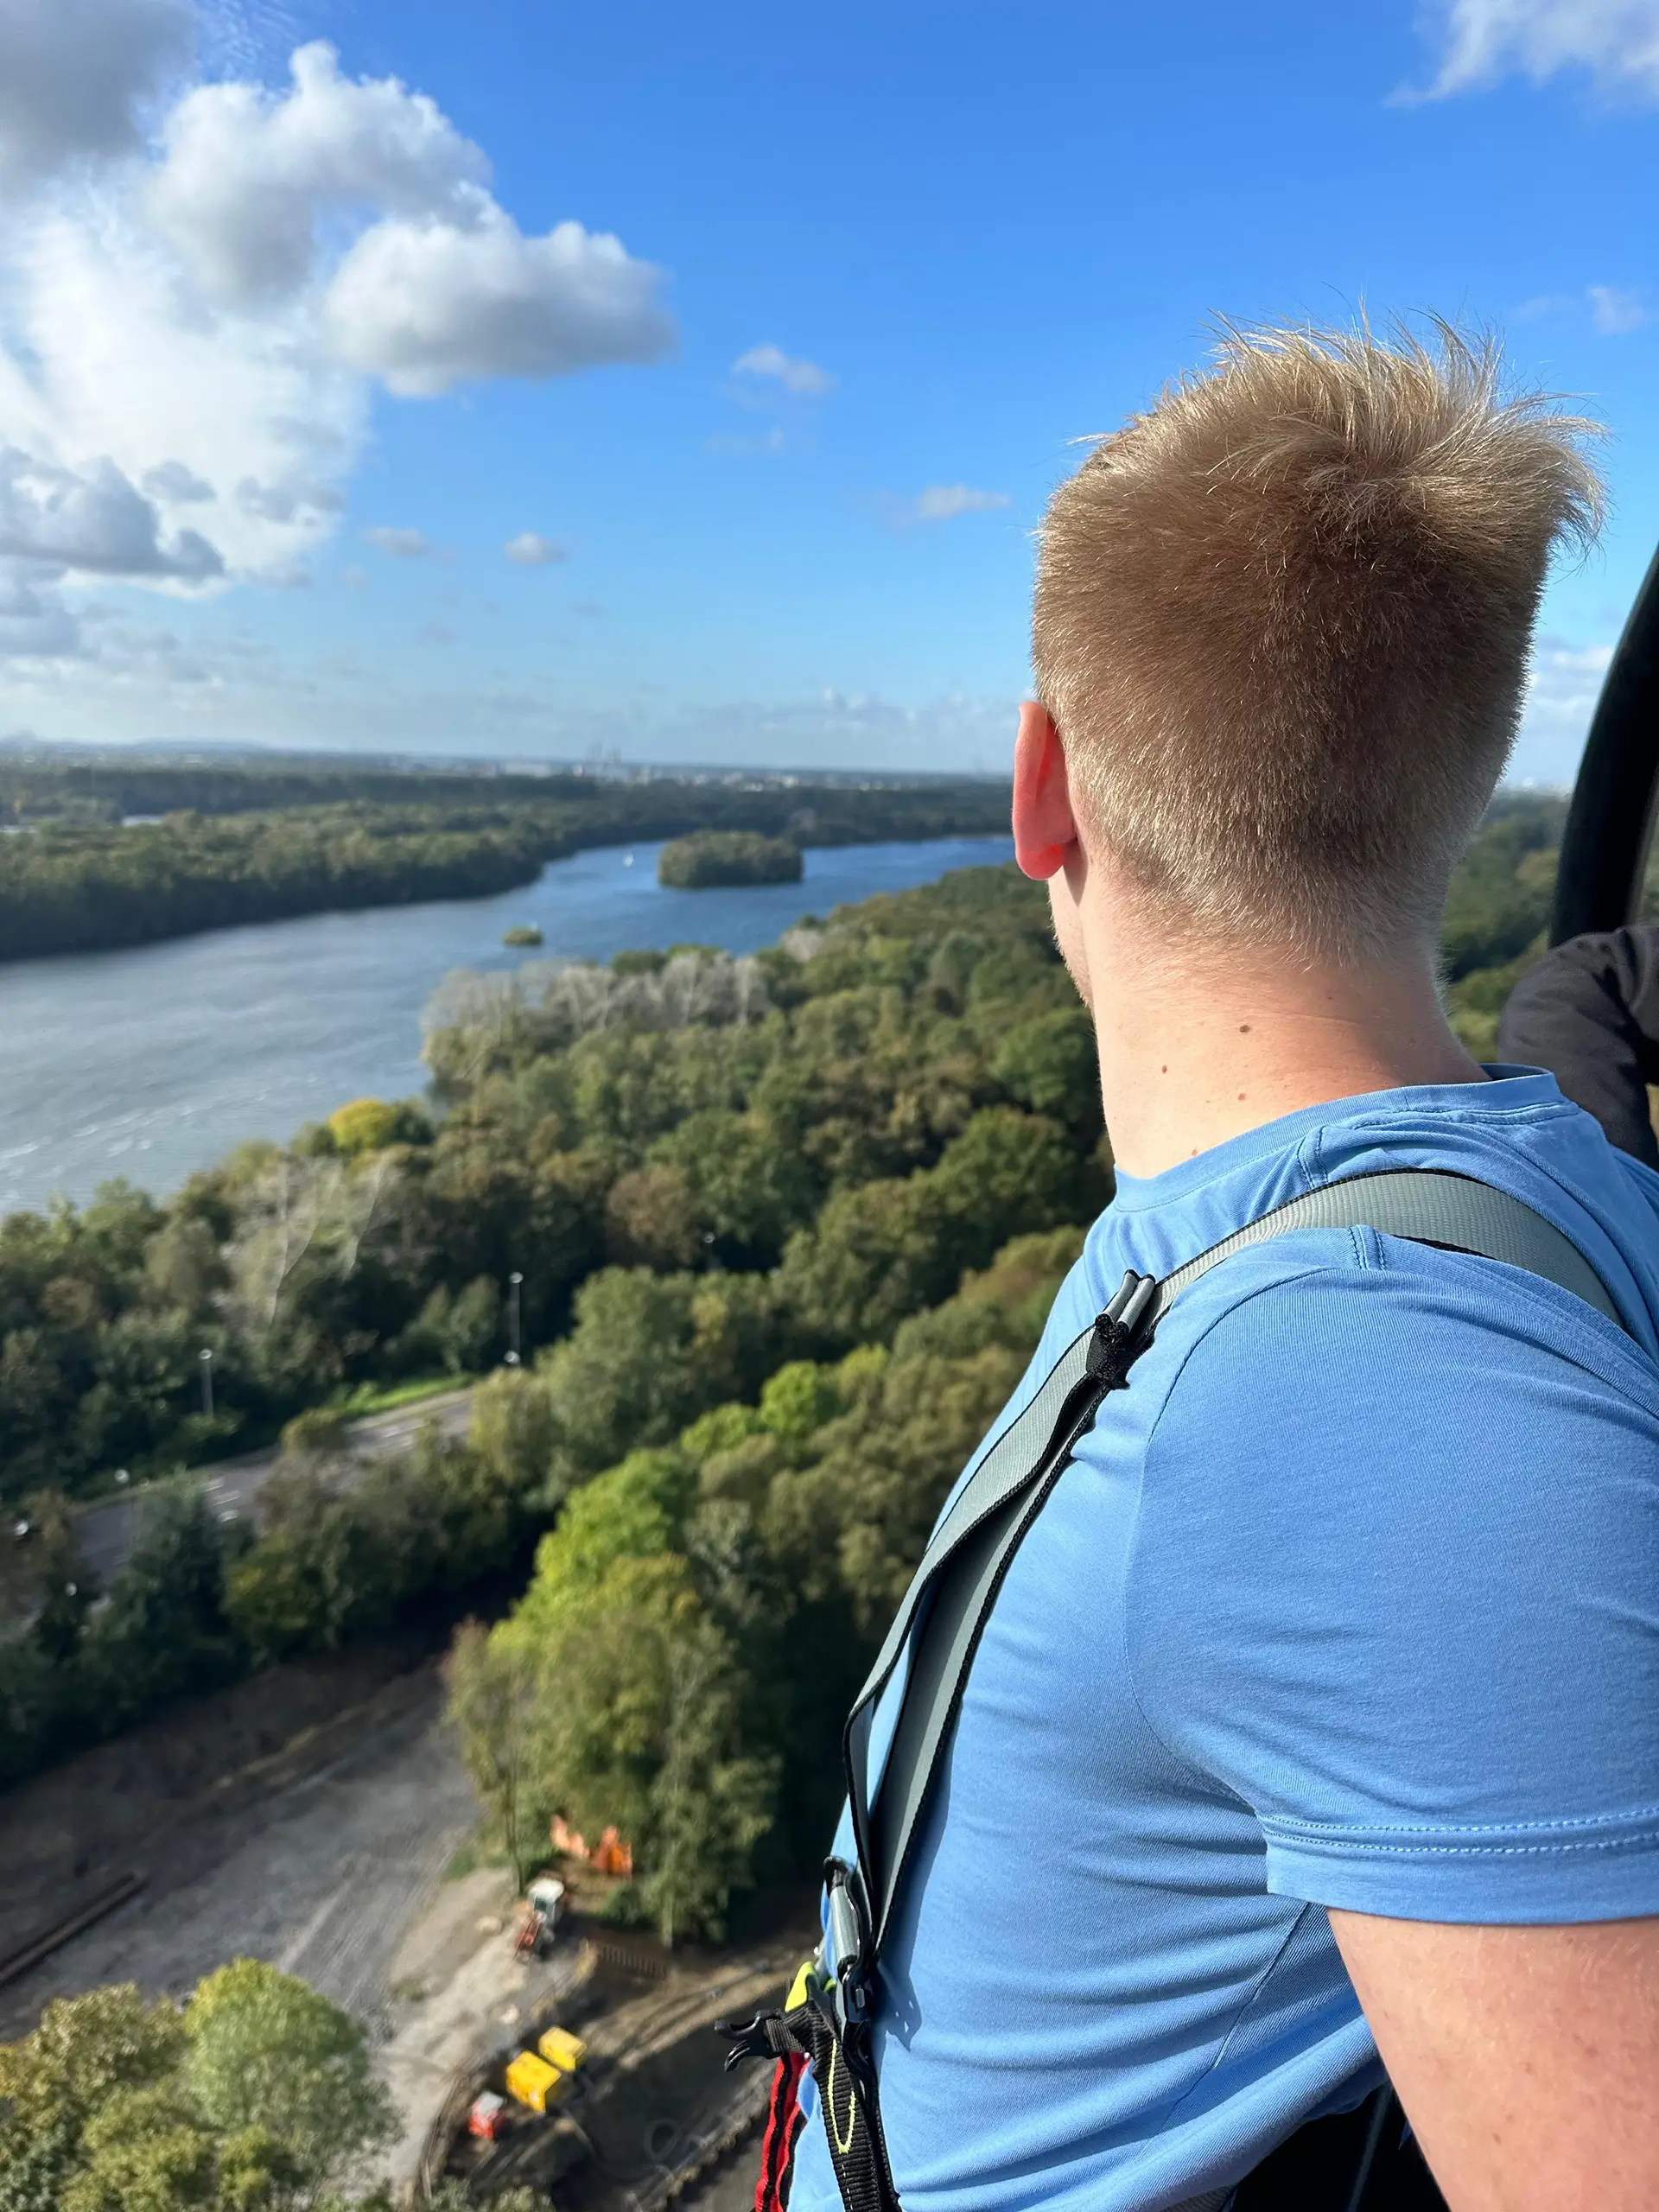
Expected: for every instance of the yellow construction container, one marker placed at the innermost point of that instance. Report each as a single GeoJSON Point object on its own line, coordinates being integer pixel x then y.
{"type": "Point", "coordinates": [561, 2049]}
{"type": "Point", "coordinates": [533, 2082]}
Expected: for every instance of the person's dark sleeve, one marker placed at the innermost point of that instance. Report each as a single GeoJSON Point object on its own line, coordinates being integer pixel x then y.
{"type": "Point", "coordinates": [1589, 1013]}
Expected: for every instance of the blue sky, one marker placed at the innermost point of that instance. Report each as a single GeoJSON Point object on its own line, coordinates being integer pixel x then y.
{"type": "Point", "coordinates": [287, 362]}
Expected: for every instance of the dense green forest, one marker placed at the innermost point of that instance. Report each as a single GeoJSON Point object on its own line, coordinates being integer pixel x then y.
{"type": "Point", "coordinates": [72, 884]}
{"type": "Point", "coordinates": [709, 857]}
{"type": "Point", "coordinates": [112, 786]}
{"type": "Point", "coordinates": [254, 2094]}
{"type": "Point", "coordinates": [788, 1225]}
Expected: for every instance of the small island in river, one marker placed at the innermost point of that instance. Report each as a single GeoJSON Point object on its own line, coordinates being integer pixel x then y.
{"type": "Point", "coordinates": [725, 857]}
{"type": "Point", "coordinates": [522, 933]}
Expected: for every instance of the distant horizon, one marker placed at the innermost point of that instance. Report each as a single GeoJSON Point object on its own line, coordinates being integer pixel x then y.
{"type": "Point", "coordinates": [179, 751]}
{"type": "Point", "coordinates": [25, 744]}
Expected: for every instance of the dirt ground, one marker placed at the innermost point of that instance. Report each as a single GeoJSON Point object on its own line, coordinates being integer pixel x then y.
{"type": "Point", "coordinates": [457, 1996]}
{"type": "Point", "coordinates": [730, 2187]}
{"type": "Point", "coordinates": [309, 1820]}
{"type": "Point", "coordinates": [165, 1800]}
{"type": "Point", "coordinates": [318, 1864]}
{"type": "Point", "coordinates": [326, 1856]}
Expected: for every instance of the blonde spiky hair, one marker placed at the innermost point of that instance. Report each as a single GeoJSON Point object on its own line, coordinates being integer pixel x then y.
{"type": "Point", "coordinates": [1282, 620]}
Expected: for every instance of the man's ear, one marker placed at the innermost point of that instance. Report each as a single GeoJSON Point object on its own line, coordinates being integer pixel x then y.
{"type": "Point", "coordinates": [1044, 830]}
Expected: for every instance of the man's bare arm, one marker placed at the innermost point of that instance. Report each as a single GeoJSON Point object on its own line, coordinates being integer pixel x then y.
{"type": "Point", "coordinates": [1527, 2058]}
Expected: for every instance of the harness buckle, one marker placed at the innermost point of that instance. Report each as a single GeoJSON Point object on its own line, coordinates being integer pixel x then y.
{"type": "Point", "coordinates": [847, 1948]}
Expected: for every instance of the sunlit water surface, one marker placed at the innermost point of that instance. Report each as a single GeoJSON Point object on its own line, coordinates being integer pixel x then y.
{"type": "Point", "coordinates": [151, 1062]}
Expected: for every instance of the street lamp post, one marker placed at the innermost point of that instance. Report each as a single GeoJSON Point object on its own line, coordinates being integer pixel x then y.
{"type": "Point", "coordinates": [207, 1382]}
{"type": "Point", "coordinates": [514, 1281]}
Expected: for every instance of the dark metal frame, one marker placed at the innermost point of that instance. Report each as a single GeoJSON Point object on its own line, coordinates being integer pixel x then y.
{"type": "Point", "coordinates": [1605, 849]}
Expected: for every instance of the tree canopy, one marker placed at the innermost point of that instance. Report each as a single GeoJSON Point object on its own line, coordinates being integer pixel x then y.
{"type": "Point", "coordinates": [110, 854]}
{"type": "Point", "coordinates": [709, 857]}
{"type": "Point", "coordinates": [710, 1172]}
{"type": "Point", "coordinates": [255, 2097]}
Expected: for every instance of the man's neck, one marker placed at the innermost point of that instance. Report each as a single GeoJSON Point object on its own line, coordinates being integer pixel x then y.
{"type": "Point", "coordinates": [1197, 1049]}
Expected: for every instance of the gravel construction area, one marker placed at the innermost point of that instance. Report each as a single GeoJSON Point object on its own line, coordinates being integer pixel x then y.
{"type": "Point", "coordinates": [730, 2186]}
{"type": "Point", "coordinates": [653, 2116]}
{"type": "Point", "coordinates": [322, 1877]}
{"type": "Point", "coordinates": [458, 1995]}
{"type": "Point", "coordinates": [328, 1856]}
{"type": "Point", "coordinates": [165, 1801]}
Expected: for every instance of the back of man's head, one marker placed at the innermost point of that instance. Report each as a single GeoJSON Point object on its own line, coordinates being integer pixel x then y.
{"type": "Point", "coordinates": [1281, 622]}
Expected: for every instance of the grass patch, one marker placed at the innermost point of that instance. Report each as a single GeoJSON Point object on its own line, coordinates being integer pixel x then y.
{"type": "Point", "coordinates": [366, 1400]}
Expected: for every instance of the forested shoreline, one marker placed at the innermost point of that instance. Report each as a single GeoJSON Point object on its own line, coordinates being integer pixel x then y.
{"type": "Point", "coordinates": [72, 883]}
{"type": "Point", "coordinates": [710, 858]}
{"type": "Point", "coordinates": [788, 1226]}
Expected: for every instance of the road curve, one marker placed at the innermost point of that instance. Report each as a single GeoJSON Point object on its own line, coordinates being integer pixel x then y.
{"type": "Point", "coordinates": [107, 1531]}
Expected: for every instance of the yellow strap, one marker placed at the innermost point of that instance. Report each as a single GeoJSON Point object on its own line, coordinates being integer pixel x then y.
{"type": "Point", "coordinates": [801, 1988]}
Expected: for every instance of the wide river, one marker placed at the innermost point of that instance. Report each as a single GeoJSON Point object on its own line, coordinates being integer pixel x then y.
{"type": "Point", "coordinates": [152, 1063]}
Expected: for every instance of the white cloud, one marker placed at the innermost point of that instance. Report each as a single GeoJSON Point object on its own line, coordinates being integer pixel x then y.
{"type": "Point", "coordinates": [1563, 684]}
{"type": "Point", "coordinates": [108, 351]}
{"type": "Point", "coordinates": [1615, 313]}
{"type": "Point", "coordinates": [1616, 42]}
{"type": "Point", "coordinates": [34, 621]}
{"type": "Point", "coordinates": [440, 285]}
{"type": "Point", "coordinates": [805, 378]}
{"type": "Point", "coordinates": [202, 282]}
{"type": "Point", "coordinates": [1543, 305]}
{"type": "Point", "coordinates": [770, 440]}
{"type": "Point", "coordinates": [177, 485]}
{"type": "Point", "coordinates": [402, 544]}
{"type": "Point", "coordinates": [284, 503]}
{"type": "Point", "coordinates": [530, 549]}
{"type": "Point", "coordinates": [92, 521]}
{"type": "Point", "coordinates": [943, 502]}
{"type": "Point", "coordinates": [72, 74]}
{"type": "Point", "coordinates": [247, 177]}
{"type": "Point", "coordinates": [427, 305]}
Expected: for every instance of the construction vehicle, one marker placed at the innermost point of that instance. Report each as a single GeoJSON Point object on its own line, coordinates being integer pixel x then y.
{"type": "Point", "coordinates": [561, 2049]}
{"type": "Point", "coordinates": [486, 2115]}
{"type": "Point", "coordinates": [543, 1909]}
{"type": "Point", "coordinates": [532, 2082]}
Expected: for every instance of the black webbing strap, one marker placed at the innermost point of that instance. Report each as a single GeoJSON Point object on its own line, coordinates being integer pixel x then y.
{"type": "Point", "coordinates": [939, 1626]}
{"type": "Point", "coordinates": [846, 2082]}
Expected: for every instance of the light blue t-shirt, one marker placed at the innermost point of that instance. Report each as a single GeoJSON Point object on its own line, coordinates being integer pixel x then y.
{"type": "Point", "coordinates": [1353, 1600]}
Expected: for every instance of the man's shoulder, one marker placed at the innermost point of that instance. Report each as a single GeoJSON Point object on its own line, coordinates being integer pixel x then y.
{"type": "Point", "coordinates": [1394, 1564]}
{"type": "Point", "coordinates": [1329, 1314]}
{"type": "Point", "coordinates": [1367, 1336]}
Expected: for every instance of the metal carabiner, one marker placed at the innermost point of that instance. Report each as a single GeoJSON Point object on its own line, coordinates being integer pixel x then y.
{"type": "Point", "coordinates": [846, 1954]}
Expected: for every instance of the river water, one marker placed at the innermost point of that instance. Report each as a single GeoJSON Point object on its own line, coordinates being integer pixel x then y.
{"type": "Point", "coordinates": [151, 1062]}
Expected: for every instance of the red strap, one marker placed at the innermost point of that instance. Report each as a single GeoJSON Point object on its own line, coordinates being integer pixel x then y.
{"type": "Point", "coordinates": [784, 2121]}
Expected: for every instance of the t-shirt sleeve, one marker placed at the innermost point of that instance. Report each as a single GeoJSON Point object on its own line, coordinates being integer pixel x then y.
{"type": "Point", "coordinates": [1395, 1585]}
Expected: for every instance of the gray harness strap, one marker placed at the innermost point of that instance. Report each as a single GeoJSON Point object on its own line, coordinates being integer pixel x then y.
{"type": "Point", "coordinates": [955, 1587]}
{"type": "Point", "coordinates": [1426, 1207]}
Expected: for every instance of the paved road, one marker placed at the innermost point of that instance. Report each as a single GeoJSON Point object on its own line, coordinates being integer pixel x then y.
{"type": "Point", "coordinates": [107, 1531]}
